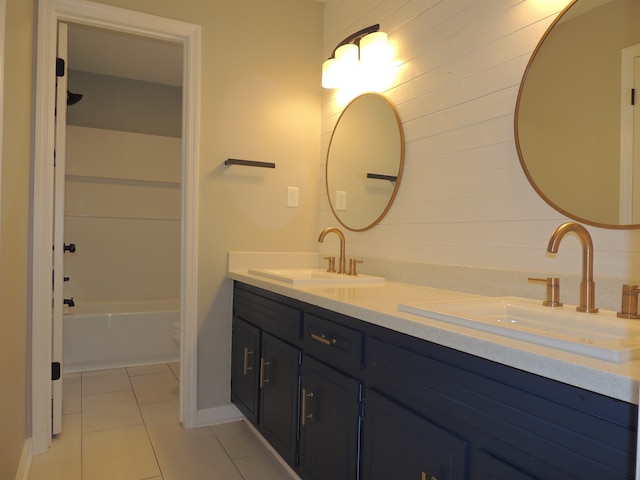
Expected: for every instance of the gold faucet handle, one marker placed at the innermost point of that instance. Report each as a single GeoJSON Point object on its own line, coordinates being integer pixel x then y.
{"type": "Point", "coordinates": [552, 297]}
{"type": "Point", "coordinates": [331, 266]}
{"type": "Point", "coordinates": [352, 266]}
{"type": "Point", "coordinates": [629, 301]}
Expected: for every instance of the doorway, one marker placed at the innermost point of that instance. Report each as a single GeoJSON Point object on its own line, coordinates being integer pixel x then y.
{"type": "Point", "coordinates": [50, 13]}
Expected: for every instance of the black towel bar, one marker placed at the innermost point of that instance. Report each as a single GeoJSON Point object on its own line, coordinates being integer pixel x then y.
{"type": "Point", "coordinates": [378, 176]}
{"type": "Point", "coordinates": [249, 163]}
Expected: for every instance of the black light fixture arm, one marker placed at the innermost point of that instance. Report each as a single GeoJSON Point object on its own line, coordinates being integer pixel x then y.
{"type": "Point", "coordinates": [355, 37]}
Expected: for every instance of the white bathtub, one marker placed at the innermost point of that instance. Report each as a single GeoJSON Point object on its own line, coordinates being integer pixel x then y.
{"type": "Point", "coordinates": [99, 336]}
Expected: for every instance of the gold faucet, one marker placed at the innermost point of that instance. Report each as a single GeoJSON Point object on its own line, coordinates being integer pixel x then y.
{"type": "Point", "coordinates": [587, 286]}
{"type": "Point", "coordinates": [342, 260]}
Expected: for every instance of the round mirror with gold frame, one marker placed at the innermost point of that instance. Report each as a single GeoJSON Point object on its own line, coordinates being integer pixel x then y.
{"type": "Point", "coordinates": [574, 123]}
{"type": "Point", "coordinates": [364, 161]}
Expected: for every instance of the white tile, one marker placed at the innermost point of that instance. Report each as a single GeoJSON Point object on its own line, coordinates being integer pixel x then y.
{"type": "Point", "coordinates": [155, 387]}
{"type": "Point", "coordinates": [71, 393]}
{"type": "Point", "coordinates": [262, 467]}
{"type": "Point", "coordinates": [238, 440]}
{"type": "Point", "coordinates": [161, 420]}
{"type": "Point", "coordinates": [63, 460]}
{"type": "Point", "coordinates": [118, 454]}
{"type": "Point", "coordinates": [148, 369]}
{"type": "Point", "coordinates": [109, 410]}
{"type": "Point", "coordinates": [195, 459]}
{"type": "Point", "coordinates": [102, 381]}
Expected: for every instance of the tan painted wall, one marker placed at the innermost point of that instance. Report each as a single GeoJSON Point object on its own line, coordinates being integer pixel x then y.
{"type": "Point", "coordinates": [14, 235]}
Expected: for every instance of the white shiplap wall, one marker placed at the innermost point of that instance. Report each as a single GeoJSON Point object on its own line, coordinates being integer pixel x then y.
{"type": "Point", "coordinates": [464, 199]}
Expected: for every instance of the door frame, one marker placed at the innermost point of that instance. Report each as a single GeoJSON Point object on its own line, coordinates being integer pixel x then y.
{"type": "Point", "coordinates": [50, 12]}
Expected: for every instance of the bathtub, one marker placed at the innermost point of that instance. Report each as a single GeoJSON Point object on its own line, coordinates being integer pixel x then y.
{"type": "Point", "coordinates": [111, 335]}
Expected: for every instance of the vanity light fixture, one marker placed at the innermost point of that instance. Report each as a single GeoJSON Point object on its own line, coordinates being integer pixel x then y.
{"type": "Point", "coordinates": [362, 56]}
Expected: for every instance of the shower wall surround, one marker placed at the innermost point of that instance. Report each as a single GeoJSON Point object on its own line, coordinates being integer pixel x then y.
{"type": "Point", "coordinates": [464, 199]}
{"type": "Point", "coordinates": [123, 213]}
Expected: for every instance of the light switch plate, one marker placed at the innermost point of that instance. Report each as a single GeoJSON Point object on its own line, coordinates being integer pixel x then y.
{"type": "Point", "coordinates": [341, 200]}
{"type": "Point", "coordinates": [292, 197]}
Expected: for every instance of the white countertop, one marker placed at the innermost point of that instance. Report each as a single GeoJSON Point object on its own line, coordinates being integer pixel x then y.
{"type": "Point", "coordinates": [377, 304]}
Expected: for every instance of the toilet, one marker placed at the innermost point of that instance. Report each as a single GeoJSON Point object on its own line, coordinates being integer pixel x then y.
{"type": "Point", "coordinates": [175, 333]}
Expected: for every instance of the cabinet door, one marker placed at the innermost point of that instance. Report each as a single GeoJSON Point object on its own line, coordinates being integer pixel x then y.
{"type": "Point", "coordinates": [330, 423]}
{"type": "Point", "coordinates": [245, 354]}
{"type": "Point", "coordinates": [279, 387]}
{"type": "Point", "coordinates": [401, 445]}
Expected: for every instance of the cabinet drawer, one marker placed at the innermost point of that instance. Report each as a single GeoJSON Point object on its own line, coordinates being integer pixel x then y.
{"type": "Point", "coordinates": [276, 318]}
{"type": "Point", "coordinates": [332, 343]}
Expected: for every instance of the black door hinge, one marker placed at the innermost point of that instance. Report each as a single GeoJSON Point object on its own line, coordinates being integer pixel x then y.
{"type": "Point", "coordinates": [55, 370]}
{"type": "Point", "coordinates": [59, 67]}
{"type": "Point", "coordinates": [633, 96]}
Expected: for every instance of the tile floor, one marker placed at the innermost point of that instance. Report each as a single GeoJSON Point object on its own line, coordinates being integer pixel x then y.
{"type": "Point", "coordinates": [122, 424]}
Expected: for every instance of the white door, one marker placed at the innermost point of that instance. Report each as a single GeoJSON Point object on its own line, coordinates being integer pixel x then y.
{"type": "Point", "coordinates": [630, 135]}
{"type": "Point", "coordinates": [58, 228]}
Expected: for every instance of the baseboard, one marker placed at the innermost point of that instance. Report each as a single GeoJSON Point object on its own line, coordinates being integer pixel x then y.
{"type": "Point", "coordinates": [25, 461]}
{"type": "Point", "coordinates": [276, 455]}
{"type": "Point", "coordinates": [218, 415]}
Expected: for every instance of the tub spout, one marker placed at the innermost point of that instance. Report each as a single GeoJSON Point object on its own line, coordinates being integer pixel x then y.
{"type": "Point", "coordinates": [69, 302]}
{"type": "Point", "coordinates": [587, 285]}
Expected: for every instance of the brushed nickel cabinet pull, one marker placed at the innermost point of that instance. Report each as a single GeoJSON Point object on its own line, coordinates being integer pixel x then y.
{"type": "Point", "coordinates": [303, 408]}
{"type": "Point", "coordinates": [263, 380]}
{"type": "Point", "coordinates": [245, 365]}
{"type": "Point", "coordinates": [323, 339]}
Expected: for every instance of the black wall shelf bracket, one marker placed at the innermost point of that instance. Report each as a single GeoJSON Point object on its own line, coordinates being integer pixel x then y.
{"type": "Point", "coordinates": [377, 176]}
{"type": "Point", "coordinates": [249, 163]}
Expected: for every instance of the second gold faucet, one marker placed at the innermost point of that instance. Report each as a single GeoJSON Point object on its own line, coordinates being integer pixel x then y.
{"type": "Point", "coordinates": [587, 285]}
{"type": "Point", "coordinates": [342, 259]}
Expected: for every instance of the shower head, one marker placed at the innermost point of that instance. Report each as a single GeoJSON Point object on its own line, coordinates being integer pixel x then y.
{"type": "Point", "coordinates": [73, 98]}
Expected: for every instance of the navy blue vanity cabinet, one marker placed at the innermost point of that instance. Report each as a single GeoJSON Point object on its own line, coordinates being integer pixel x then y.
{"type": "Point", "coordinates": [515, 424]}
{"type": "Point", "coordinates": [245, 368]}
{"type": "Point", "coordinates": [329, 423]}
{"type": "Point", "coordinates": [331, 397]}
{"type": "Point", "coordinates": [378, 404]}
{"type": "Point", "coordinates": [401, 445]}
{"type": "Point", "coordinates": [265, 370]}
{"type": "Point", "coordinates": [279, 390]}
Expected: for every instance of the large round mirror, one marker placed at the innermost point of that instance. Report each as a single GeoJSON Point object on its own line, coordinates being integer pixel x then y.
{"type": "Point", "coordinates": [574, 118]}
{"type": "Point", "coordinates": [364, 162]}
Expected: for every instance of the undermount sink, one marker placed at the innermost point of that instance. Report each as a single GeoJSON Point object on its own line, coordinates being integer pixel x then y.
{"type": "Point", "coordinates": [598, 335]}
{"type": "Point", "coordinates": [311, 276]}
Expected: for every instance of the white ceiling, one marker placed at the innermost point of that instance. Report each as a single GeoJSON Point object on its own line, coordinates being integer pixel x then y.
{"type": "Point", "coordinates": [122, 55]}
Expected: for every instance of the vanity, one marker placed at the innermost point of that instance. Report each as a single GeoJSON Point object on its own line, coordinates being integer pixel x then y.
{"type": "Point", "coordinates": [345, 386]}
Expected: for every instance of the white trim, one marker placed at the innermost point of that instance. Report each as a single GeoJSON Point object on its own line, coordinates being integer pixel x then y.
{"type": "Point", "coordinates": [24, 467]}
{"type": "Point", "coordinates": [268, 446]}
{"type": "Point", "coordinates": [218, 415]}
{"type": "Point", "coordinates": [50, 12]}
